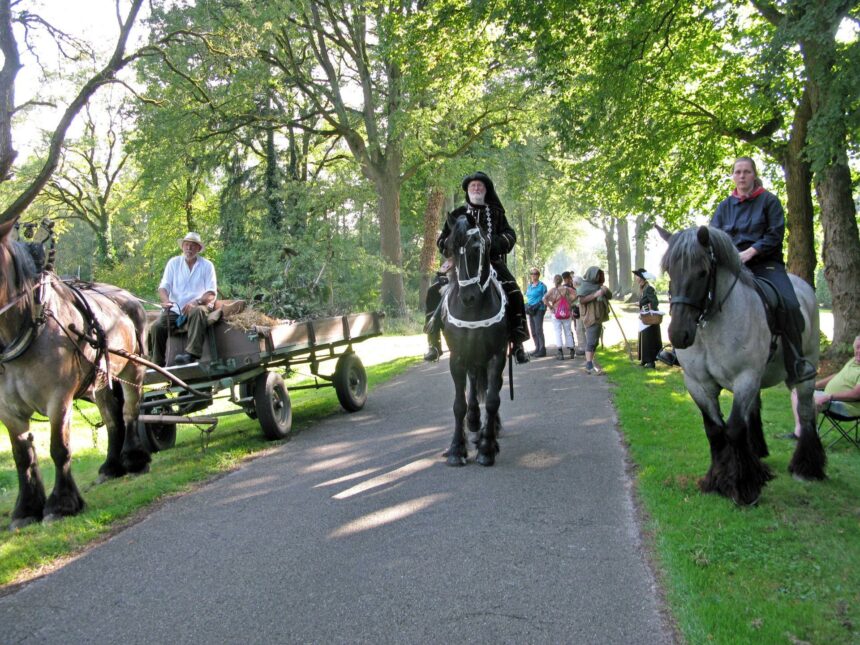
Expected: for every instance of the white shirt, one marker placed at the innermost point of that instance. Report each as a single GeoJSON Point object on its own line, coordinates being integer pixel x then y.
{"type": "Point", "coordinates": [183, 284]}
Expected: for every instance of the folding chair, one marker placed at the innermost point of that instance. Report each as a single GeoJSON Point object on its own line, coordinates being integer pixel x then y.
{"type": "Point", "coordinates": [845, 427]}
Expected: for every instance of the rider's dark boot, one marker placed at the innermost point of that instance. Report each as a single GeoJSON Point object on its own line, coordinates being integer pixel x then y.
{"type": "Point", "coordinates": [434, 346]}
{"type": "Point", "coordinates": [799, 369]}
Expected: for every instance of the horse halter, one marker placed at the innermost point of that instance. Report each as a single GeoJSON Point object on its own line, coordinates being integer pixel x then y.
{"type": "Point", "coordinates": [706, 305]}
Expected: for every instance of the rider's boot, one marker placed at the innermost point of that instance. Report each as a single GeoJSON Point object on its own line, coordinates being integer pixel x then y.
{"type": "Point", "coordinates": [798, 367]}
{"type": "Point", "coordinates": [434, 346]}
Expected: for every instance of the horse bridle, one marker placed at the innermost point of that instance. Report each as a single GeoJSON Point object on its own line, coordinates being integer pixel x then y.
{"type": "Point", "coordinates": [706, 306]}
{"type": "Point", "coordinates": [462, 256]}
{"type": "Point", "coordinates": [491, 279]}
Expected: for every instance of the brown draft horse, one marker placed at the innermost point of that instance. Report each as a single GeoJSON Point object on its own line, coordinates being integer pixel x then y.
{"type": "Point", "coordinates": [45, 363]}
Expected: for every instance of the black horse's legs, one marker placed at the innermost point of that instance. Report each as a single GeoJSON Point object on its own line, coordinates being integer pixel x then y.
{"type": "Point", "coordinates": [473, 412]}
{"type": "Point", "coordinates": [488, 444]}
{"type": "Point", "coordinates": [31, 491]}
{"type": "Point", "coordinates": [65, 499]}
{"type": "Point", "coordinates": [756, 433]}
{"type": "Point", "coordinates": [809, 458]}
{"type": "Point", "coordinates": [457, 452]}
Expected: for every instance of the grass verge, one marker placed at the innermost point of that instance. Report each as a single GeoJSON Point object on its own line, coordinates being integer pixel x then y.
{"type": "Point", "coordinates": [785, 571]}
{"type": "Point", "coordinates": [110, 506]}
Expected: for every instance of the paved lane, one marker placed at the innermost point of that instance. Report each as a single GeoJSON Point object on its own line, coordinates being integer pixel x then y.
{"type": "Point", "coordinates": [357, 532]}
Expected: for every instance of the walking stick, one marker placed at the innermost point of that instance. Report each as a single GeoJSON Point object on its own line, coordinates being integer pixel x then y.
{"type": "Point", "coordinates": [626, 344]}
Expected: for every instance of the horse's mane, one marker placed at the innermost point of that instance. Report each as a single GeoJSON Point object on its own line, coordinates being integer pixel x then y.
{"type": "Point", "coordinates": [685, 252]}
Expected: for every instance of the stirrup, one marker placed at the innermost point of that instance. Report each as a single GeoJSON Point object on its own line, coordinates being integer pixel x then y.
{"type": "Point", "coordinates": [520, 354]}
{"type": "Point", "coordinates": [803, 370]}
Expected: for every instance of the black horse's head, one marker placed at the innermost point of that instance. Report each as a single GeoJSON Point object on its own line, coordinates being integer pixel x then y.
{"type": "Point", "coordinates": [691, 262]}
{"type": "Point", "coordinates": [469, 250]}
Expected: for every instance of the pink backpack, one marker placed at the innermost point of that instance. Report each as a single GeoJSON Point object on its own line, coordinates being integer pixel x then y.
{"type": "Point", "coordinates": [562, 308]}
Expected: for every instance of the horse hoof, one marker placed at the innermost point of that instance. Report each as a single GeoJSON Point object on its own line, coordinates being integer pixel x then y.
{"type": "Point", "coordinates": [454, 460]}
{"type": "Point", "coordinates": [21, 522]}
{"type": "Point", "coordinates": [53, 517]}
{"type": "Point", "coordinates": [142, 471]}
{"type": "Point", "coordinates": [486, 460]}
{"type": "Point", "coordinates": [801, 478]}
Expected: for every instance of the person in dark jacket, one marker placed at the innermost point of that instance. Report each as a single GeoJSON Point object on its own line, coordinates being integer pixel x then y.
{"type": "Point", "coordinates": [650, 339]}
{"type": "Point", "coordinates": [755, 221]}
{"type": "Point", "coordinates": [486, 207]}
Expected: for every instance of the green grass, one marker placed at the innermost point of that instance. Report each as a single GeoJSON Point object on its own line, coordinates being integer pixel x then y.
{"type": "Point", "coordinates": [785, 571]}
{"type": "Point", "coordinates": [114, 503]}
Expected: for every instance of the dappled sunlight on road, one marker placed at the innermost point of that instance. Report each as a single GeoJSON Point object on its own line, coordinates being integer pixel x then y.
{"type": "Point", "coordinates": [347, 478]}
{"type": "Point", "coordinates": [539, 459]}
{"type": "Point", "coordinates": [387, 478]}
{"type": "Point", "coordinates": [387, 515]}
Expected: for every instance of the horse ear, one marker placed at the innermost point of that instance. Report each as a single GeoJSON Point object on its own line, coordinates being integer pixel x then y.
{"type": "Point", "coordinates": [663, 232]}
{"type": "Point", "coordinates": [452, 220]}
{"type": "Point", "coordinates": [5, 229]}
{"type": "Point", "coordinates": [703, 235]}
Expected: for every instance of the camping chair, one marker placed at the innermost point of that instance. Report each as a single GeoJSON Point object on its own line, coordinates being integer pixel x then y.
{"type": "Point", "coordinates": [845, 427]}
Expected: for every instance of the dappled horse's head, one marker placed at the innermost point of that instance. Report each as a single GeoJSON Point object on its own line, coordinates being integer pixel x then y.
{"type": "Point", "coordinates": [691, 262]}
{"type": "Point", "coordinates": [469, 250]}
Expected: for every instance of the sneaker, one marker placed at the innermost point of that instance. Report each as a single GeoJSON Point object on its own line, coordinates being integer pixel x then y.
{"type": "Point", "coordinates": [649, 366]}
{"type": "Point", "coordinates": [538, 354]}
{"type": "Point", "coordinates": [432, 355]}
{"type": "Point", "coordinates": [559, 356]}
{"type": "Point", "coordinates": [572, 355]}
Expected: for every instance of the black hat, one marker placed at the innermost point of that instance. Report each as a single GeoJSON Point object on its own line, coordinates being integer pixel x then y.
{"type": "Point", "coordinates": [492, 198]}
{"type": "Point", "coordinates": [642, 273]}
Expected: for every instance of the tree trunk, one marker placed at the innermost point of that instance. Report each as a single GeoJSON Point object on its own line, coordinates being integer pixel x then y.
{"type": "Point", "coordinates": [640, 236]}
{"type": "Point", "coordinates": [388, 209]}
{"type": "Point", "coordinates": [624, 269]}
{"type": "Point", "coordinates": [611, 265]}
{"type": "Point", "coordinates": [432, 225]}
{"type": "Point", "coordinates": [799, 216]}
{"type": "Point", "coordinates": [841, 248]}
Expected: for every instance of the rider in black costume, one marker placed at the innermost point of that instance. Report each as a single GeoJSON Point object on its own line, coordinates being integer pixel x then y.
{"type": "Point", "coordinates": [484, 205]}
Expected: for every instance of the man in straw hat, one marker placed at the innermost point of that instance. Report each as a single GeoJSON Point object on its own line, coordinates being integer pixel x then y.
{"type": "Point", "coordinates": [187, 292]}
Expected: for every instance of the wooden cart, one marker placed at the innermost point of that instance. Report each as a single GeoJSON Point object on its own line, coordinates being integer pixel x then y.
{"type": "Point", "coordinates": [246, 367]}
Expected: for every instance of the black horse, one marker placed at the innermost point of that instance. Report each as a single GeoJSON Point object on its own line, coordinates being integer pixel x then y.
{"type": "Point", "coordinates": [474, 310]}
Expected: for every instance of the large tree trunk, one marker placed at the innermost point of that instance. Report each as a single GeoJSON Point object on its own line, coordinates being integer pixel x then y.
{"type": "Point", "coordinates": [388, 190]}
{"type": "Point", "coordinates": [432, 224]}
{"type": "Point", "coordinates": [841, 247]}
{"type": "Point", "coordinates": [798, 184]}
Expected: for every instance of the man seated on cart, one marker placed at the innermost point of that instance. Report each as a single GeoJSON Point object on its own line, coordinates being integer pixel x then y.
{"type": "Point", "coordinates": [187, 292]}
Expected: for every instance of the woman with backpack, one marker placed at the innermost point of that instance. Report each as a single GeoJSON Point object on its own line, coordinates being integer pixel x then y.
{"type": "Point", "coordinates": [559, 300]}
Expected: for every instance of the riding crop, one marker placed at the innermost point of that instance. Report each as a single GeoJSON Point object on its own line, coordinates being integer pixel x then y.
{"type": "Point", "coordinates": [626, 344]}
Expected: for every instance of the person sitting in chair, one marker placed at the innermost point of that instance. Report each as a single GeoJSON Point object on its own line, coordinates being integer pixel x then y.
{"type": "Point", "coordinates": [838, 393]}
{"type": "Point", "coordinates": [187, 292]}
{"type": "Point", "coordinates": [484, 204]}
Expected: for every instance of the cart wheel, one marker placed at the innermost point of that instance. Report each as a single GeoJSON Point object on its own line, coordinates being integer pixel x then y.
{"type": "Point", "coordinates": [350, 382]}
{"type": "Point", "coordinates": [246, 389]}
{"type": "Point", "coordinates": [272, 403]}
{"type": "Point", "coordinates": [157, 436]}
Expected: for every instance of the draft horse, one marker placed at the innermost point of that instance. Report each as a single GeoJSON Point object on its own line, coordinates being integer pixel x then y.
{"type": "Point", "coordinates": [474, 310]}
{"type": "Point", "coordinates": [720, 331]}
{"type": "Point", "coordinates": [53, 349]}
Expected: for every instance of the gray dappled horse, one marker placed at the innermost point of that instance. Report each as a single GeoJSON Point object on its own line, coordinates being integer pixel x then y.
{"type": "Point", "coordinates": [45, 364]}
{"type": "Point", "coordinates": [474, 311]}
{"type": "Point", "coordinates": [720, 331]}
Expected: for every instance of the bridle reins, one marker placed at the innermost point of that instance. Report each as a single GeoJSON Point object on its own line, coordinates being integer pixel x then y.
{"type": "Point", "coordinates": [708, 306]}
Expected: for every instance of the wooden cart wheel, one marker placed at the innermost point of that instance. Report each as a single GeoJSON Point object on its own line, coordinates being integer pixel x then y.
{"type": "Point", "coordinates": [350, 382]}
{"type": "Point", "coordinates": [272, 403]}
{"type": "Point", "coordinates": [158, 436]}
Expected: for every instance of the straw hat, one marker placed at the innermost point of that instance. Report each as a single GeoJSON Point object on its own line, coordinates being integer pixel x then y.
{"type": "Point", "coordinates": [193, 237]}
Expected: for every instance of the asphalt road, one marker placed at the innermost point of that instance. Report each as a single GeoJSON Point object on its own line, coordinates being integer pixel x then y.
{"type": "Point", "coordinates": [356, 531]}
